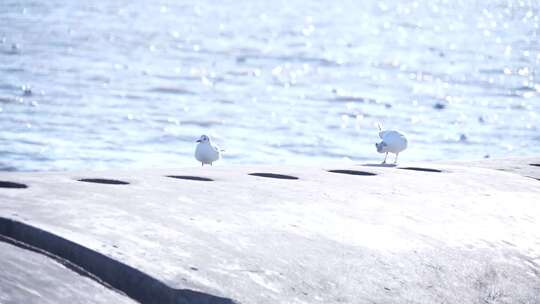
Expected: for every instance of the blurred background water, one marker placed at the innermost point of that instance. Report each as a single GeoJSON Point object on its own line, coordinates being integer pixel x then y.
{"type": "Point", "coordinates": [132, 84]}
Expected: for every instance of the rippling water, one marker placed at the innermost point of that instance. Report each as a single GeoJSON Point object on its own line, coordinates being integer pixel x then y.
{"type": "Point", "coordinates": [124, 84]}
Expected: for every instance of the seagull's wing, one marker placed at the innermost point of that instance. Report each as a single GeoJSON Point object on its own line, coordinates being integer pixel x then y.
{"type": "Point", "coordinates": [383, 134]}
{"type": "Point", "coordinates": [390, 135]}
{"type": "Point", "coordinates": [395, 139]}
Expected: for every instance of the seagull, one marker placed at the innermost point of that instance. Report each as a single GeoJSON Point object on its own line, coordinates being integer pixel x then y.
{"type": "Point", "coordinates": [392, 142]}
{"type": "Point", "coordinates": [205, 152]}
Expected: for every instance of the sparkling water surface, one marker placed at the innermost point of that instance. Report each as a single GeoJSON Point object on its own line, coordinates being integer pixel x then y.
{"type": "Point", "coordinates": [132, 84]}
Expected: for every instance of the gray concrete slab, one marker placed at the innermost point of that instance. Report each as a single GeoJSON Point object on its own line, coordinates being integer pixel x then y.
{"type": "Point", "coordinates": [529, 167]}
{"type": "Point", "coordinates": [30, 277]}
{"type": "Point", "coordinates": [462, 235]}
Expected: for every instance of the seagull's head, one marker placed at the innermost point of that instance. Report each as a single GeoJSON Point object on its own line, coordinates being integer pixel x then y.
{"type": "Point", "coordinates": [382, 147]}
{"type": "Point", "coordinates": [203, 138]}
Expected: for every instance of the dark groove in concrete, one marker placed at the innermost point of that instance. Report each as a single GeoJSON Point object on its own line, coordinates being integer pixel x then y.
{"type": "Point", "coordinates": [188, 177]}
{"type": "Point", "coordinates": [353, 172]}
{"type": "Point", "coordinates": [134, 283]}
{"type": "Point", "coordinates": [421, 169]}
{"type": "Point", "coordinates": [58, 259]}
{"type": "Point", "coordinates": [536, 165]}
{"type": "Point", "coordinates": [12, 185]}
{"type": "Point", "coordinates": [273, 175]}
{"type": "Point", "coordinates": [103, 181]}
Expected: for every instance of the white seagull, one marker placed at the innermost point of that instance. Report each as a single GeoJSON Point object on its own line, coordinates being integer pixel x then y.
{"type": "Point", "coordinates": [205, 152]}
{"type": "Point", "coordinates": [392, 142]}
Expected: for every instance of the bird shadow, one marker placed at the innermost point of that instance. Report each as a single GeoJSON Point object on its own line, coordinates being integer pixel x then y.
{"type": "Point", "coordinates": [380, 165]}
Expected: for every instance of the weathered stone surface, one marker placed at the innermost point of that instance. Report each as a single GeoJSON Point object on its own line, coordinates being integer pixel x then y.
{"type": "Point", "coordinates": [30, 277]}
{"type": "Point", "coordinates": [529, 167]}
{"type": "Point", "coordinates": [462, 235]}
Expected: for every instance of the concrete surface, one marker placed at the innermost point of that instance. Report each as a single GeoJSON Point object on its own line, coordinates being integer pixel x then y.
{"type": "Point", "coordinates": [466, 234]}
{"type": "Point", "coordinates": [30, 277]}
{"type": "Point", "coordinates": [529, 167]}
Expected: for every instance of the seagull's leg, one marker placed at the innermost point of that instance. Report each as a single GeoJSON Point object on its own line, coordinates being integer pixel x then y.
{"type": "Point", "coordinates": [210, 164]}
{"type": "Point", "coordinates": [384, 161]}
{"type": "Point", "coordinates": [395, 160]}
{"type": "Point", "coordinates": [202, 164]}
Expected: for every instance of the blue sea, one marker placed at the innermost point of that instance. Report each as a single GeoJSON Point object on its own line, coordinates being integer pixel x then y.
{"type": "Point", "coordinates": [132, 84]}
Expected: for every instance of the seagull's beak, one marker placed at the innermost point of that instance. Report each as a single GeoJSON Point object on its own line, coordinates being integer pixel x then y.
{"type": "Point", "coordinates": [198, 140]}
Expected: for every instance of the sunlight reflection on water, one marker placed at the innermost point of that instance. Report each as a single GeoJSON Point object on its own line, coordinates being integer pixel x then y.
{"type": "Point", "coordinates": [134, 83]}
